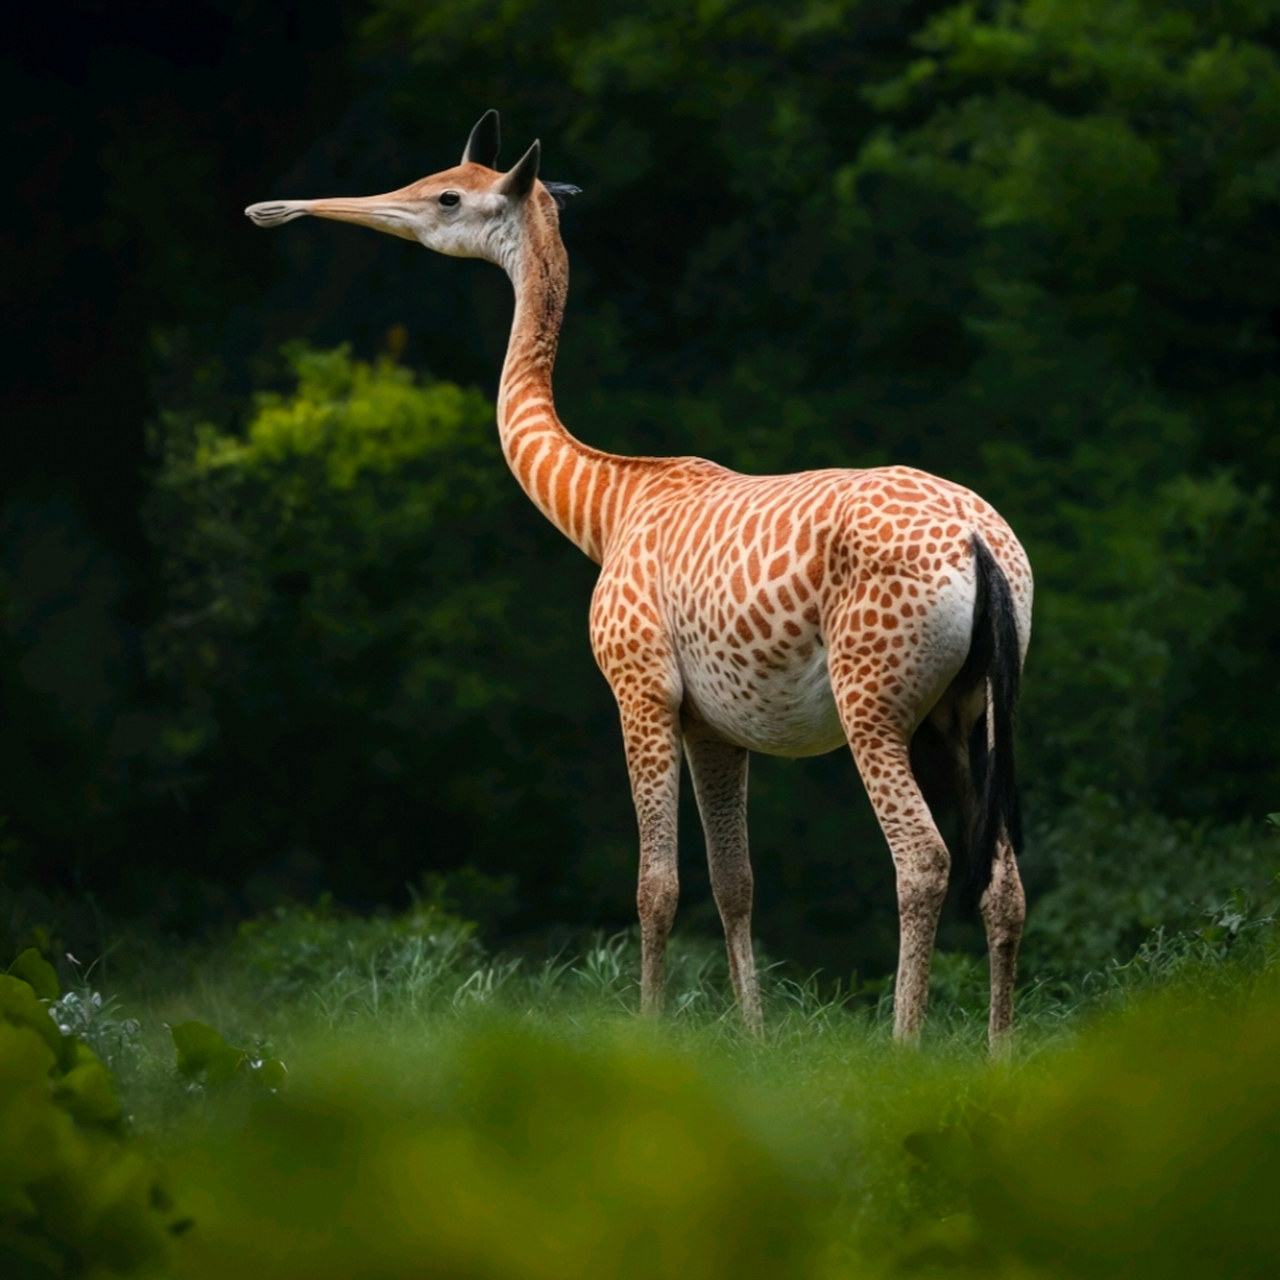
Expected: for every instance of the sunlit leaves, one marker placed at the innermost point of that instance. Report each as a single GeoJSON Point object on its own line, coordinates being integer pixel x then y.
{"type": "Point", "coordinates": [76, 1197]}
{"type": "Point", "coordinates": [345, 510]}
{"type": "Point", "coordinates": [38, 973]}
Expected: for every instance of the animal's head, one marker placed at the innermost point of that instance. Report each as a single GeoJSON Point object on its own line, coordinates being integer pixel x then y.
{"type": "Point", "coordinates": [469, 211]}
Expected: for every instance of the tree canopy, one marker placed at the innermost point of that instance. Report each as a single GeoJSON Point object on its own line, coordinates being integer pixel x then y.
{"type": "Point", "coordinates": [1025, 245]}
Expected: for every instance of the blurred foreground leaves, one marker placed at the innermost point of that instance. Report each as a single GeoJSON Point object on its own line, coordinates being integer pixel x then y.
{"type": "Point", "coordinates": [1151, 1148]}
{"type": "Point", "coordinates": [533, 1130]}
{"type": "Point", "coordinates": [523, 1158]}
{"type": "Point", "coordinates": [77, 1197]}
{"type": "Point", "coordinates": [1146, 1146]}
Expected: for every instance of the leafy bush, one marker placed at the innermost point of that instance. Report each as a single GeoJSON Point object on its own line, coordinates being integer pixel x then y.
{"type": "Point", "coordinates": [337, 611]}
{"type": "Point", "coordinates": [1114, 876]}
{"type": "Point", "coordinates": [520, 1158]}
{"type": "Point", "coordinates": [298, 952]}
{"type": "Point", "coordinates": [1152, 1148]}
{"type": "Point", "coordinates": [77, 1197]}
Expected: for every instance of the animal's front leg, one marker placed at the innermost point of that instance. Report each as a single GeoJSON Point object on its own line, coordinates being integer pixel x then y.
{"type": "Point", "coordinates": [639, 663]}
{"type": "Point", "coordinates": [651, 733]}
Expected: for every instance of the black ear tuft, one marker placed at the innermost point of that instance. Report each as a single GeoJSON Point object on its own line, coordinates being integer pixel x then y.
{"type": "Point", "coordinates": [519, 180]}
{"type": "Point", "coordinates": [559, 190]}
{"type": "Point", "coordinates": [482, 146]}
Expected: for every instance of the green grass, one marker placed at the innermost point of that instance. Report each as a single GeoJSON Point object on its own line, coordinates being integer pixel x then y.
{"type": "Point", "coordinates": [449, 1112]}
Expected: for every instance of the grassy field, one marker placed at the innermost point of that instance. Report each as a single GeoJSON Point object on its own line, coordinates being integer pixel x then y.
{"type": "Point", "coordinates": [447, 1112]}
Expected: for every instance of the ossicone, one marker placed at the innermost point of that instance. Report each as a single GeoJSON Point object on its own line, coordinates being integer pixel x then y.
{"type": "Point", "coordinates": [485, 141]}
{"type": "Point", "coordinates": [518, 181]}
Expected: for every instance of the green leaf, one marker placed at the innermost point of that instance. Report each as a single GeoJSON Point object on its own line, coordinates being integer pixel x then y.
{"type": "Point", "coordinates": [88, 1093]}
{"type": "Point", "coordinates": [271, 1073]}
{"type": "Point", "coordinates": [202, 1051]}
{"type": "Point", "coordinates": [37, 973]}
{"type": "Point", "coordinates": [1274, 819]}
{"type": "Point", "coordinates": [19, 1005]}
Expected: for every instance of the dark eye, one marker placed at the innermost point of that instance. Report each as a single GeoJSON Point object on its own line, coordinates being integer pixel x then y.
{"type": "Point", "coordinates": [449, 198]}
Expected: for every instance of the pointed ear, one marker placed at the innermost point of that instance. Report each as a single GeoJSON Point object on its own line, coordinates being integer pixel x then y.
{"type": "Point", "coordinates": [482, 146]}
{"type": "Point", "coordinates": [519, 180]}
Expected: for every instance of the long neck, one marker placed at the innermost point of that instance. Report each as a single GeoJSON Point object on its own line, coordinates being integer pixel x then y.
{"type": "Point", "coordinates": [579, 489]}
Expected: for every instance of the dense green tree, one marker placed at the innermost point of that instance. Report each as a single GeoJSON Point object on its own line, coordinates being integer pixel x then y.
{"type": "Point", "coordinates": [340, 647]}
{"type": "Point", "coordinates": [1024, 245]}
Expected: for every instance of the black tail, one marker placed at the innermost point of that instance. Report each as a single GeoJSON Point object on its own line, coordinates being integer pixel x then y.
{"type": "Point", "coordinates": [979, 773]}
{"type": "Point", "coordinates": [998, 811]}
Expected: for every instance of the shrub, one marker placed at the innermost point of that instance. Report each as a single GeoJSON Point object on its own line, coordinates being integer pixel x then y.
{"type": "Point", "coordinates": [324, 953]}
{"type": "Point", "coordinates": [1150, 1149]}
{"type": "Point", "coordinates": [520, 1159]}
{"type": "Point", "coordinates": [77, 1196]}
{"type": "Point", "coordinates": [1116, 875]}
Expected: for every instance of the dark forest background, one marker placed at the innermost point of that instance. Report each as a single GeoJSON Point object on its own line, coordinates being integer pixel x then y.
{"type": "Point", "coordinates": [275, 621]}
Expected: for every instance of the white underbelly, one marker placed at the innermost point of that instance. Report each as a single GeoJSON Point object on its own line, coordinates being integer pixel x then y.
{"type": "Point", "coordinates": [787, 712]}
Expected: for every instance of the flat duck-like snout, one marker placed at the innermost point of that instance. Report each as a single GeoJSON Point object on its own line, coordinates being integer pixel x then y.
{"type": "Point", "coordinates": [393, 212]}
{"type": "Point", "coordinates": [275, 213]}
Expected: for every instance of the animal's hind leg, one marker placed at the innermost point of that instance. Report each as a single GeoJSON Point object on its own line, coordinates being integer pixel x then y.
{"type": "Point", "coordinates": [943, 748]}
{"type": "Point", "coordinates": [719, 772]}
{"type": "Point", "coordinates": [1004, 908]}
{"type": "Point", "coordinates": [880, 742]}
{"type": "Point", "coordinates": [921, 862]}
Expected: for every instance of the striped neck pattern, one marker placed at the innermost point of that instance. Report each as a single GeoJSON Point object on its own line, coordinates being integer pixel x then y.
{"type": "Point", "coordinates": [581, 490]}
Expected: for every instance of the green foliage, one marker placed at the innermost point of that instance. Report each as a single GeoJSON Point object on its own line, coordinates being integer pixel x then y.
{"type": "Point", "coordinates": [345, 514]}
{"type": "Point", "coordinates": [1109, 878]}
{"type": "Point", "coordinates": [1018, 246]}
{"type": "Point", "coordinates": [205, 1058]}
{"type": "Point", "coordinates": [518, 1157]}
{"type": "Point", "coordinates": [511, 1141]}
{"type": "Point", "coordinates": [324, 953]}
{"type": "Point", "coordinates": [77, 1198]}
{"type": "Point", "coordinates": [33, 969]}
{"type": "Point", "coordinates": [339, 605]}
{"type": "Point", "coordinates": [1117, 157]}
{"type": "Point", "coordinates": [1024, 245]}
{"type": "Point", "coordinates": [1149, 1149]}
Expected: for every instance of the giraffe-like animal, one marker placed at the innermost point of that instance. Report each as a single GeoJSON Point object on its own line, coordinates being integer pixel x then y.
{"type": "Point", "coordinates": [884, 608]}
